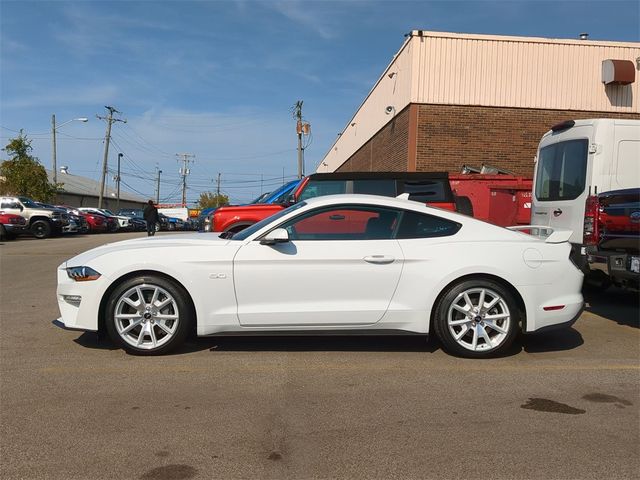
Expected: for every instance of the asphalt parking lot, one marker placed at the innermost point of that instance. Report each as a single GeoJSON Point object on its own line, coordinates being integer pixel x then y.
{"type": "Point", "coordinates": [561, 405]}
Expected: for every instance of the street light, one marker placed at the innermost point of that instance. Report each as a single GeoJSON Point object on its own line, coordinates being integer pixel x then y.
{"type": "Point", "coordinates": [53, 140]}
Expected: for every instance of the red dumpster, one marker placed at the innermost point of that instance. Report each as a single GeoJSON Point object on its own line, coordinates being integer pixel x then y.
{"type": "Point", "coordinates": [503, 200]}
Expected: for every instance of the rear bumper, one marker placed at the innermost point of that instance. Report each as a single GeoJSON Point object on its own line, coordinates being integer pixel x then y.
{"type": "Point", "coordinates": [615, 265]}
{"type": "Point", "coordinates": [559, 326]}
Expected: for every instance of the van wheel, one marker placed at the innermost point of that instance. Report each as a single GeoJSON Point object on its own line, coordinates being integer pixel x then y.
{"type": "Point", "coordinates": [476, 318]}
{"type": "Point", "coordinates": [41, 229]}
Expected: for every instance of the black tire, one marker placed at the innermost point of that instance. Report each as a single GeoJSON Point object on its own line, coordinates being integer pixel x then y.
{"type": "Point", "coordinates": [185, 313]}
{"type": "Point", "coordinates": [3, 233]}
{"type": "Point", "coordinates": [464, 206]}
{"type": "Point", "coordinates": [509, 326]}
{"type": "Point", "coordinates": [41, 229]}
{"type": "Point", "coordinates": [157, 227]}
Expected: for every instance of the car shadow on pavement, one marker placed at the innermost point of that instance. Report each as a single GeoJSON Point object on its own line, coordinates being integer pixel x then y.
{"type": "Point", "coordinates": [621, 306]}
{"type": "Point", "coordinates": [319, 343]}
{"type": "Point", "coordinates": [95, 341]}
{"type": "Point", "coordinates": [554, 341]}
{"type": "Point", "coordinates": [550, 342]}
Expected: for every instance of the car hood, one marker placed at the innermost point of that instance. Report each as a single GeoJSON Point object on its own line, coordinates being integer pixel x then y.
{"type": "Point", "coordinates": [164, 241]}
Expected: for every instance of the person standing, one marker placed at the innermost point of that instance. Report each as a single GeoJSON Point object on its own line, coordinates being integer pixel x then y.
{"type": "Point", "coordinates": [150, 215]}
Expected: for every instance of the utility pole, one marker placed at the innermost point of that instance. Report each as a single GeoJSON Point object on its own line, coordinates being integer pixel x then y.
{"type": "Point", "coordinates": [297, 114]}
{"type": "Point", "coordinates": [184, 171]}
{"type": "Point", "coordinates": [107, 139]}
{"type": "Point", "coordinates": [118, 183]}
{"type": "Point", "coordinates": [218, 191]}
{"type": "Point", "coordinates": [302, 128]}
{"type": "Point", "coordinates": [158, 187]}
{"type": "Point", "coordinates": [53, 148]}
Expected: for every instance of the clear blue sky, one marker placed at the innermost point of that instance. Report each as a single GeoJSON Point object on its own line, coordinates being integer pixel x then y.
{"type": "Point", "coordinates": [218, 78]}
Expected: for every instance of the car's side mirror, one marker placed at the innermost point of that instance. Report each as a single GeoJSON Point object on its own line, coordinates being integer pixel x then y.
{"type": "Point", "coordinates": [279, 235]}
{"type": "Point", "coordinates": [291, 199]}
{"type": "Point", "coordinates": [20, 207]}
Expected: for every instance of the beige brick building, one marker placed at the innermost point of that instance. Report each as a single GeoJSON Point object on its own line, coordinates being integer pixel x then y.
{"type": "Point", "coordinates": [448, 99]}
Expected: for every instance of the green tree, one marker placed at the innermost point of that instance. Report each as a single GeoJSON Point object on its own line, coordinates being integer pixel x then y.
{"type": "Point", "coordinates": [210, 199]}
{"type": "Point", "coordinates": [23, 174]}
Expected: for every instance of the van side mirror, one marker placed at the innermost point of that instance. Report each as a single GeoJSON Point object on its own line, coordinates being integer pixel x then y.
{"type": "Point", "coordinates": [279, 235]}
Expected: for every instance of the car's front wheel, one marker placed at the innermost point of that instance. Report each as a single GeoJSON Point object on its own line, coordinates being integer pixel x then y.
{"type": "Point", "coordinates": [41, 229]}
{"type": "Point", "coordinates": [476, 318]}
{"type": "Point", "coordinates": [148, 315]}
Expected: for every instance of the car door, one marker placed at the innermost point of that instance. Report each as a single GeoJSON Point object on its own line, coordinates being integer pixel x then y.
{"type": "Point", "coordinates": [340, 267]}
{"type": "Point", "coordinates": [560, 186]}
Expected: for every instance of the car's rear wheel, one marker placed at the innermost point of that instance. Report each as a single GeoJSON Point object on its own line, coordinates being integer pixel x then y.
{"type": "Point", "coordinates": [148, 315]}
{"type": "Point", "coordinates": [476, 318]}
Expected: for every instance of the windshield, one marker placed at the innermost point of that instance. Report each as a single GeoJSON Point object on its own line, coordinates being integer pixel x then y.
{"type": "Point", "coordinates": [108, 211]}
{"type": "Point", "coordinates": [562, 171]}
{"type": "Point", "coordinates": [247, 232]}
{"type": "Point", "coordinates": [27, 202]}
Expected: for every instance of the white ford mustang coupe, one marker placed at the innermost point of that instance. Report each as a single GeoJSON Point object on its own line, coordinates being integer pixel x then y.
{"type": "Point", "coordinates": [334, 264]}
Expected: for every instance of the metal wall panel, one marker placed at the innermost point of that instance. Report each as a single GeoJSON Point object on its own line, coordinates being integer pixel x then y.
{"type": "Point", "coordinates": [520, 72]}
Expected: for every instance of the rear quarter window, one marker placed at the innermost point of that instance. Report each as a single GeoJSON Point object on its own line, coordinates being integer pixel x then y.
{"type": "Point", "coordinates": [420, 225]}
{"type": "Point", "coordinates": [426, 191]}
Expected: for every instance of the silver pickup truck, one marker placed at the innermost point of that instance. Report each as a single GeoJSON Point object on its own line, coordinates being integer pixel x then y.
{"type": "Point", "coordinates": [41, 222]}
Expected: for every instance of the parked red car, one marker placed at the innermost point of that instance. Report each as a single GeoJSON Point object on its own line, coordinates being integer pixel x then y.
{"type": "Point", "coordinates": [96, 223]}
{"type": "Point", "coordinates": [11, 225]}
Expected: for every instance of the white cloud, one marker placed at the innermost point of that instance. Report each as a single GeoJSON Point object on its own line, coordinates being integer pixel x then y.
{"type": "Point", "coordinates": [90, 96]}
{"type": "Point", "coordinates": [302, 13]}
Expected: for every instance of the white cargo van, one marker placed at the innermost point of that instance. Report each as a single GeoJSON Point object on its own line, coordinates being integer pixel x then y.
{"type": "Point", "coordinates": [577, 159]}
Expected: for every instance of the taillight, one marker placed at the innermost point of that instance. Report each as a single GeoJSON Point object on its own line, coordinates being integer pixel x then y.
{"type": "Point", "coordinates": [591, 231]}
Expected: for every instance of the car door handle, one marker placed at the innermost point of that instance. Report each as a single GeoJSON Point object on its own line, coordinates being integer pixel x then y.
{"type": "Point", "coordinates": [379, 259]}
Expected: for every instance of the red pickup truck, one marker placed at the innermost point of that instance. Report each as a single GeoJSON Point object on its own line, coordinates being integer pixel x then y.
{"type": "Point", "coordinates": [431, 188]}
{"type": "Point", "coordinates": [612, 237]}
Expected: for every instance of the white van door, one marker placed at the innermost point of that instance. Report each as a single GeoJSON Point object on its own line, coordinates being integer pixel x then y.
{"type": "Point", "coordinates": [560, 185]}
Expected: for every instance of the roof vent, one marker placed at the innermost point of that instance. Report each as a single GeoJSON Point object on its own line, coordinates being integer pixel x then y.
{"type": "Point", "coordinates": [64, 169]}
{"type": "Point", "coordinates": [618, 72]}
{"type": "Point", "coordinates": [583, 36]}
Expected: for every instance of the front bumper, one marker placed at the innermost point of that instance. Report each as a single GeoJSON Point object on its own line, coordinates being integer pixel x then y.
{"type": "Point", "coordinates": [82, 314]}
{"type": "Point", "coordinates": [14, 229]}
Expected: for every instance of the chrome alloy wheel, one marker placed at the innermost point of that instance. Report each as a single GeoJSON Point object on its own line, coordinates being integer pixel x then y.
{"type": "Point", "coordinates": [146, 316]}
{"type": "Point", "coordinates": [479, 319]}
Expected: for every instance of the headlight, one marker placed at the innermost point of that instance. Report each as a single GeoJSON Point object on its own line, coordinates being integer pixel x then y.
{"type": "Point", "coordinates": [82, 274]}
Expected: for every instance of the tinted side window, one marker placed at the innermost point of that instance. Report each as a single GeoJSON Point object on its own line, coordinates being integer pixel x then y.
{"type": "Point", "coordinates": [319, 188]}
{"type": "Point", "coordinates": [344, 223]}
{"type": "Point", "coordinates": [424, 190]}
{"type": "Point", "coordinates": [419, 225]}
{"type": "Point", "coordinates": [384, 187]}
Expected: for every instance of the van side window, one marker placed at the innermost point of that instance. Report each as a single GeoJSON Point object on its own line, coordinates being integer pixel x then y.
{"type": "Point", "coordinates": [419, 225]}
{"type": "Point", "coordinates": [562, 171]}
